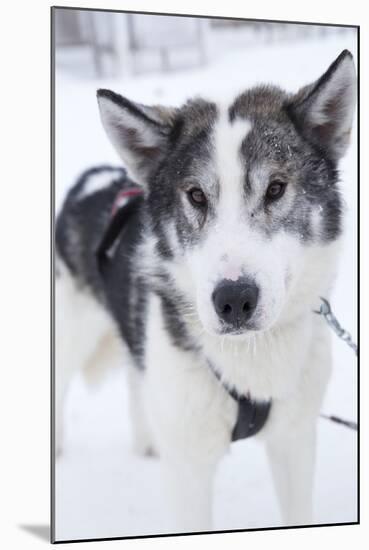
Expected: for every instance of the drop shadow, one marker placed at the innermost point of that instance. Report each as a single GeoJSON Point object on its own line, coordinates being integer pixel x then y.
{"type": "Point", "coordinates": [40, 531]}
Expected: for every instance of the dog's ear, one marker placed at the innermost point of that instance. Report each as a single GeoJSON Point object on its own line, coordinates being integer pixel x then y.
{"type": "Point", "coordinates": [139, 133]}
{"type": "Point", "coordinates": [323, 111]}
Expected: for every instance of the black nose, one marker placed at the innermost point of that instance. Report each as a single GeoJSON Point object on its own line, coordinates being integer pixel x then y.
{"type": "Point", "coordinates": [235, 301]}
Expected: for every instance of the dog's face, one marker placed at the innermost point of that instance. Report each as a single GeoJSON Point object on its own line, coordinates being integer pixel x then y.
{"type": "Point", "coordinates": [238, 193]}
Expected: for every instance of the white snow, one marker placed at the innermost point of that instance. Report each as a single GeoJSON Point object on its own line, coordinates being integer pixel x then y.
{"type": "Point", "coordinates": [102, 488]}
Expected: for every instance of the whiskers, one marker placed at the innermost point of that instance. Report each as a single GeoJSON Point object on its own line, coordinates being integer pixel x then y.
{"type": "Point", "coordinates": [248, 344]}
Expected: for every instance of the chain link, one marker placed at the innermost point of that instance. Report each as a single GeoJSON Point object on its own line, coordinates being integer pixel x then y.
{"type": "Point", "coordinates": [326, 311]}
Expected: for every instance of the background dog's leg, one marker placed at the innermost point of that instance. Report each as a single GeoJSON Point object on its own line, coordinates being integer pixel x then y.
{"type": "Point", "coordinates": [292, 465]}
{"type": "Point", "coordinates": [81, 324]}
{"type": "Point", "coordinates": [65, 349]}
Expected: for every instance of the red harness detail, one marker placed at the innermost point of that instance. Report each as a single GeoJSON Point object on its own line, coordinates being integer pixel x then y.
{"type": "Point", "coordinates": [123, 197]}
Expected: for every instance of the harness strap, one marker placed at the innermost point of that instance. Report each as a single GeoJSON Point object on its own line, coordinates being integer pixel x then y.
{"type": "Point", "coordinates": [123, 207]}
{"type": "Point", "coordinates": [251, 416]}
{"type": "Point", "coordinates": [123, 197]}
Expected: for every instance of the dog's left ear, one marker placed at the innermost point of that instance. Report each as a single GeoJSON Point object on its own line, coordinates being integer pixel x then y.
{"type": "Point", "coordinates": [323, 111]}
{"type": "Point", "coordinates": [139, 133]}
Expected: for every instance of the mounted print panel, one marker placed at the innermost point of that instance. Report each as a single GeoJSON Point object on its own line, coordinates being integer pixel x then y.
{"type": "Point", "coordinates": [205, 274]}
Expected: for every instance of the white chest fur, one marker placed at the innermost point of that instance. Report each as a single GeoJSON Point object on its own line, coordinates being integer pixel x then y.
{"type": "Point", "coordinates": [267, 365]}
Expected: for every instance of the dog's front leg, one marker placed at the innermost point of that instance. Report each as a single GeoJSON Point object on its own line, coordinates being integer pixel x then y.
{"type": "Point", "coordinates": [292, 459]}
{"type": "Point", "coordinates": [291, 433]}
{"type": "Point", "coordinates": [191, 418]}
{"type": "Point", "coordinates": [189, 489]}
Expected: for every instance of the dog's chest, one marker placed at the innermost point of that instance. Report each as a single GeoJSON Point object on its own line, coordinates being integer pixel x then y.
{"type": "Point", "coordinates": [266, 367]}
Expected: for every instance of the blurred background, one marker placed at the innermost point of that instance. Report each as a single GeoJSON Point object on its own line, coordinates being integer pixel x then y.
{"type": "Point", "coordinates": [102, 489]}
{"type": "Point", "coordinates": [92, 44]}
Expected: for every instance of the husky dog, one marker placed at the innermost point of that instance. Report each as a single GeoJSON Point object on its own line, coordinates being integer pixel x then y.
{"type": "Point", "coordinates": [230, 234]}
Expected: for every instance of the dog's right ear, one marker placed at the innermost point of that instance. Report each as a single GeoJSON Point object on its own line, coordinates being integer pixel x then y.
{"type": "Point", "coordinates": [139, 133]}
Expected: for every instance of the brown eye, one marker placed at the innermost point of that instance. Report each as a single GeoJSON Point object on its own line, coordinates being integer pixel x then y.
{"type": "Point", "coordinates": [275, 190]}
{"type": "Point", "coordinates": [197, 197]}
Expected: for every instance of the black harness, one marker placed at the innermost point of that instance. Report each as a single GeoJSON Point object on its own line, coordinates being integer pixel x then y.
{"type": "Point", "coordinates": [252, 415]}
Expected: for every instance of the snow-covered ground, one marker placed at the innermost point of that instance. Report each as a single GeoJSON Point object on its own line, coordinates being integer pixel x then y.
{"type": "Point", "coordinates": [102, 488]}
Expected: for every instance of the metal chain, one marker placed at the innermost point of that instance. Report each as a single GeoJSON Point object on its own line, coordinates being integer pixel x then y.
{"type": "Point", "coordinates": [348, 423]}
{"type": "Point", "coordinates": [326, 311]}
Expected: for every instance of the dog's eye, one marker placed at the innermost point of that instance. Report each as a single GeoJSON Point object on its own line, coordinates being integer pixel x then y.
{"type": "Point", "coordinates": [197, 197]}
{"type": "Point", "coordinates": [275, 190]}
